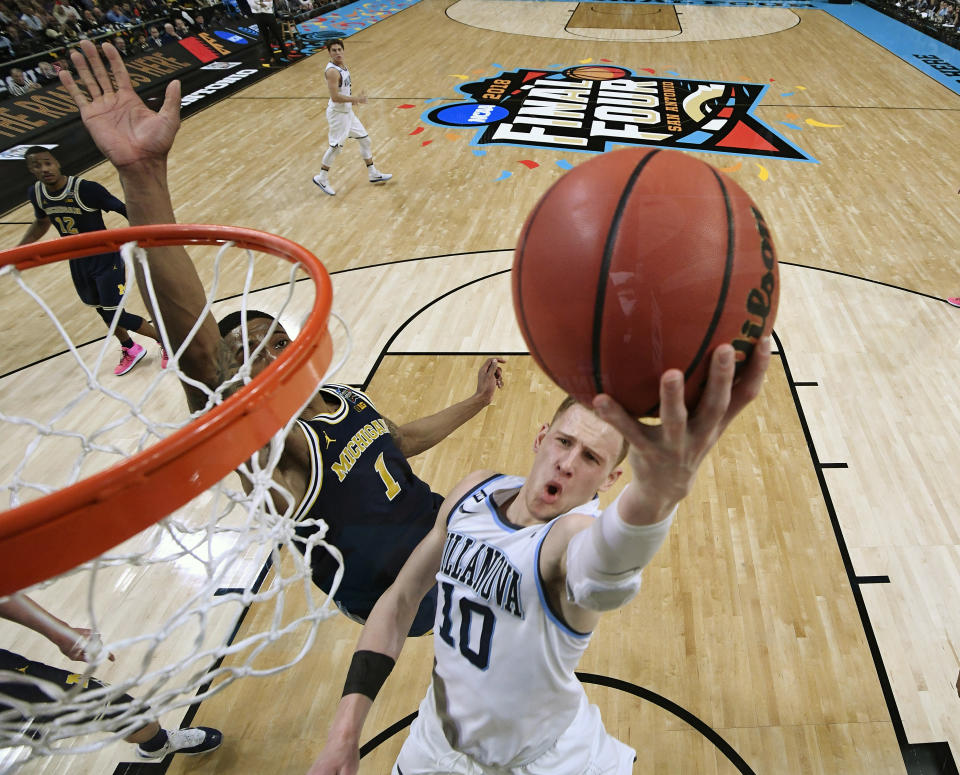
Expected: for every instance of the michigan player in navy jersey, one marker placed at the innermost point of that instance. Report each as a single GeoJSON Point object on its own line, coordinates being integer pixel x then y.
{"type": "Point", "coordinates": [376, 509]}
{"type": "Point", "coordinates": [353, 476]}
{"type": "Point", "coordinates": [152, 741]}
{"type": "Point", "coordinates": [525, 568]}
{"type": "Point", "coordinates": [75, 206]}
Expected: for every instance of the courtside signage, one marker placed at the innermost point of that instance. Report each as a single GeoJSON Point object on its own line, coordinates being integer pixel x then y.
{"type": "Point", "coordinates": [591, 108]}
{"type": "Point", "coordinates": [213, 88]}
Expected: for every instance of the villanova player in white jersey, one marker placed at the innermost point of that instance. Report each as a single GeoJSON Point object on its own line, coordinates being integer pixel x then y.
{"type": "Point", "coordinates": [525, 568]}
{"type": "Point", "coordinates": [342, 120]}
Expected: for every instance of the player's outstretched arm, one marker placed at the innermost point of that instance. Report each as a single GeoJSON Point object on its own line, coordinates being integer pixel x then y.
{"type": "Point", "coordinates": [377, 650]}
{"type": "Point", "coordinates": [420, 435]}
{"type": "Point", "coordinates": [591, 566]}
{"type": "Point", "coordinates": [137, 141]}
{"type": "Point", "coordinates": [71, 641]}
{"type": "Point", "coordinates": [382, 640]}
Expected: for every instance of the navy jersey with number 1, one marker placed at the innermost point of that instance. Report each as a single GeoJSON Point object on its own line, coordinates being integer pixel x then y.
{"type": "Point", "coordinates": [376, 508]}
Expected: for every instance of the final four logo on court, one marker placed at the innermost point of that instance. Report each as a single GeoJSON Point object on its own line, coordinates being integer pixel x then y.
{"type": "Point", "coordinates": [592, 107]}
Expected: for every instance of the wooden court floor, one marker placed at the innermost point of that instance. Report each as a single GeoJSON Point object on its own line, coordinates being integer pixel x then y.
{"type": "Point", "coordinates": [802, 617]}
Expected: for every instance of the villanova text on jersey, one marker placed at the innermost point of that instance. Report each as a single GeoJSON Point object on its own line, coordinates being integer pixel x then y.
{"type": "Point", "coordinates": [483, 568]}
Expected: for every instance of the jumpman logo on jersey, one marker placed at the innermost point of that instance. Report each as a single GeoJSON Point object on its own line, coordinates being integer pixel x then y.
{"type": "Point", "coordinates": [327, 439]}
{"type": "Point", "coordinates": [121, 287]}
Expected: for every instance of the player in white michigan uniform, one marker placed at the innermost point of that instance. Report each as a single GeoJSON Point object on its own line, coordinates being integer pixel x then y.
{"type": "Point", "coordinates": [525, 568]}
{"type": "Point", "coordinates": [343, 121]}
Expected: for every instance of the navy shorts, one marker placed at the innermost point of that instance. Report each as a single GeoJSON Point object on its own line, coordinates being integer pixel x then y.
{"type": "Point", "coordinates": [100, 280]}
{"type": "Point", "coordinates": [422, 623]}
{"type": "Point", "coordinates": [31, 692]}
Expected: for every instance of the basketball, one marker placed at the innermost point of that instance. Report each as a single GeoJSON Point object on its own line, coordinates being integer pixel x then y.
{"type": "Point", "coordinates": [596, 73]}
{"type": "Point", "coordinates": [638, 261]}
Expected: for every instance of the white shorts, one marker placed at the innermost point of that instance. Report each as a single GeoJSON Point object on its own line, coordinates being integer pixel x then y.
{"type": "Point", "coordinates": [344, 125]}
{"type": "Point", "coordinates": [584, 748]}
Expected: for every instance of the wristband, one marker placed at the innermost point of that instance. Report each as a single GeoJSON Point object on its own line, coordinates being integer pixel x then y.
{"type": "Point", "coordinates": [367, 673]}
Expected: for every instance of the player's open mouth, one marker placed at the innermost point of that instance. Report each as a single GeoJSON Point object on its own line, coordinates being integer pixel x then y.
{"type": "Point", "coordinates": [552, 491]}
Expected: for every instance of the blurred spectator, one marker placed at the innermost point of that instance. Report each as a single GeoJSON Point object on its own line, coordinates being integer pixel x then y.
{"type": "Point", "coordinates": [46, 73]}
{"type": "Point", "coordinates": [169, 34]}
{"type": "Point", "coordinates": [181, 27]}
{"type": "Point", "coordinates": [6, 46]}
{"type": "Point", "coordinates": [65, 14]}
{"type": "Point", "coordinates": [31, 20]}
{"type": "Point", "coordinates": [89, 22]}
{"type": "Point", "coordinates": [199, 24]}
{"type": "Point", "coordinates": [25, 41]}
{"type": "Point", "coordinates": [120, 44]}
{"type": "Point", "coordinates": [116, 16]}
{"type": "Point", "coordinates": [51, 29]}
{"type": "Point", "coordinates": [18, 85]}
{"type": "Point", "coordinates": [153, 37]}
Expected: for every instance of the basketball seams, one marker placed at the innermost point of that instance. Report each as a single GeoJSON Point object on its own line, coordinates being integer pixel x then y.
{"type": "Point", "coordinates": [724, 285]}
{"type": "Point", "coordinates": [604, 273]}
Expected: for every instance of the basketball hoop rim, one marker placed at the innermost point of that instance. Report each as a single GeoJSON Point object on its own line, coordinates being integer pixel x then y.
{"type": "Point", "coordinates": [54, 533]}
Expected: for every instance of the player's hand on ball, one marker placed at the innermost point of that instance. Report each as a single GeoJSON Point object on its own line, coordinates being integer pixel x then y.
{"type": "Point", "coordinates": [122, 126]}
{"type": "Point", "coordinates": [665, 457]}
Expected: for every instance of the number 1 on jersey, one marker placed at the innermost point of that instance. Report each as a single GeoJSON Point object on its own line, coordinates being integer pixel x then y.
{"type": "Point", "coordinates": [393, 489]}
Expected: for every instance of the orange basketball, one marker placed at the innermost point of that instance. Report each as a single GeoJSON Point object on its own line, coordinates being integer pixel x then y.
{"type": "Point", "coordinates": [637, 261]}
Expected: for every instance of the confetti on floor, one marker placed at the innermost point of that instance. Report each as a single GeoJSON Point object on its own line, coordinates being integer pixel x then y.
{"type": "Point", "coordinates": [452, 136]}
{"type": "Point", "coordinates": [530, 165]}
{"type": "Point", "coordinates": [458, 75]}
{"type": "Point", "coordinates": [763, 174]}
{"type": "Point", "coordinates": [586, 61]}
{"type": "Point", "coordinates": [431, 100]}
{"type": "Point", "coordinates": [503, 176]}
{"type": "Point", "coordinates": [811, 122]}
{"type": "Point", "coordinates": [734, 168]}
{"type": "Point", "coordinates": [417, 131]}
{"type": "Point", "coordinates": [479, 152]}
{"type": "Point", "coordinates": [564, 164]}
{"type": "Point", "coordinates": [425, 142]}
{"type": "Point", "coordinates": [648, 70]}
{"type": "Point", "coordinates": [405, 107]}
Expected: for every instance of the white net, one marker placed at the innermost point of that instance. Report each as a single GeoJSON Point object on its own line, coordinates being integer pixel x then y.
{"type": "Point", "coordinates": [168, 607]}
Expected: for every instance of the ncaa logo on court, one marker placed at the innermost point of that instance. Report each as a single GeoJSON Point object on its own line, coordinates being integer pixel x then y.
{"type": "Point", "coordinates": [591, 108]}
